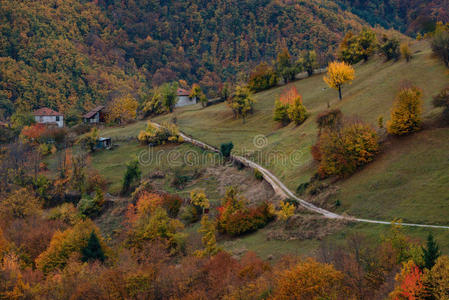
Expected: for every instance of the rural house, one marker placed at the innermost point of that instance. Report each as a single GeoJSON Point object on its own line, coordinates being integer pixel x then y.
{"type": "Point", "coordinates": [49, 117]}
{"type": "Point", "coordinates": [184, 98]}
{"type": "Point", "coordinates": [94, 116]}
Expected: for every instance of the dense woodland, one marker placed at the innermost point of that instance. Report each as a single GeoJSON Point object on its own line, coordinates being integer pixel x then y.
{"type": "Point", "coordinates": [73, 55]}
{"type": "Point", "coordinates": [133, 55]}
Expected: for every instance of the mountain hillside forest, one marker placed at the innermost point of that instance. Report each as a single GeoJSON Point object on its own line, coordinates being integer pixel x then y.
{"type": "Point", "coordinates": [73, 55]}
{"type": "Point", "coordinates": [345, 104]}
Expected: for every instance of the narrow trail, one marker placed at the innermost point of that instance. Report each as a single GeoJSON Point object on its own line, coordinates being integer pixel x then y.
{"type": "Point", "coordinates": [285, 192]}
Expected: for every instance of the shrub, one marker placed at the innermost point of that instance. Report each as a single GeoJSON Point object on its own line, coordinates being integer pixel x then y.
{"type": "Point", "coordinates": [343, 151]}
{"type": "Point", "coordinates": [89, 141]}
{"type": "Point", "coordinates": [442, 100]}
{"type": "Point", "coordinates": [258, 175]}
{"type": "Point", "coordinates": [406, 52]}
{"type": "Point", "coordinates": [157, 226]}
{"type": "Point", "coordinates": [406, 112]}
{"type": "Point", "coordinates": [91, 207]}
{"type": "Point", "coordinates": [155, 135]}
{"type": "Point", "coordinates": [226, 149]}
{"type": "Point", "coordinates": [191, 214]}
{"type": "Point", "coordinates": [262, 77]}
{"type": "Point", "coordinates": [302, 188]}
{"type": "Point", "coordinates": [280, 112]}
{"type": "Point", "coordinates": [297, 112]}
{"type": "Point", "coordinates": [236, 218]}
{"type": "Point", "coordinates": [390, 48]}
{"type": "Point", "coordinates": [440, 43]}
{"type": "Point", "coordinates": [245, 220]}
{"type": "Point", "coordinates": [172, 204]}
{"type": "Point", "coordinates": [46, 149]}
{"type": "Point", "coordinates": [330, 119]}
{"type": "Point", "coordinates": [66, 213]}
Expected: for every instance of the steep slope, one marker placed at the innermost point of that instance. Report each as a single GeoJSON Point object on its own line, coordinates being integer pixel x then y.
{"type": "Point", "coordinates": [287, 152]}
{"type": "Point", "coordinates": [75, 54]}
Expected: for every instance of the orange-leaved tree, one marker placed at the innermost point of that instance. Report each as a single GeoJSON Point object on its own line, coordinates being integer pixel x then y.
{"type": "Point", "coordinates": [406, 112]}
{"type": "Point", "coordinates": [409, 283]}
{"type": "Point", "coordinates": [309, 279]}
{"type": "Point", "coordinates": [339, 73]}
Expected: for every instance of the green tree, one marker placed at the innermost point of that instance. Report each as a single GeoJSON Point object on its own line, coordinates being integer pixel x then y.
{"type": "Point", "coordinates": [390, 47]}
{"type": "Point", "coordinates": [431, 252]}
{"type": "Point", "coordinates": [309, 62]}
{"type": "Point", "coordinates": [169, 95]}
{"type": "Point", "coordinates": [93, 249]}
{"type": "Point", "coordinates": [197, 92]}
{"type": "Point", "coordinates": [131, 176]}
{"type": "Point", "coordinates": [284, 66]}
{"type": "Point", "coordinates": [226, 149]}
{"type": "Point", "coordinates": [367, 43]}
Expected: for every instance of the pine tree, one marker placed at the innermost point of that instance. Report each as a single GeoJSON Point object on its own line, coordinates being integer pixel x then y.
{"type": "Point", "coordinates": [431, 252]}
{"type": "Point", "coordinates": [93, 250]}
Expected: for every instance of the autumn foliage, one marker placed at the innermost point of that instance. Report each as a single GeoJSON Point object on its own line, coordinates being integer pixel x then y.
{"type": "Point", "coordinates": [409, 283]}
{"type": "Point", "coordinates": [406, 112]}
{"type": "Point", "coordinates": [236, 217]}
{"type": "Point", "coordinates": [338, 74]}
{"type": "Point", "coordinates": [341, 152]}
{"type": "Point", "coordinates": [289, 107]}
{"type": "Point", "coordinates": [309, 280]}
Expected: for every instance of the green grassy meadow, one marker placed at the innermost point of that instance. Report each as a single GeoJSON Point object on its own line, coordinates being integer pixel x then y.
{"type": "Point", "coordinates": [408, 181]}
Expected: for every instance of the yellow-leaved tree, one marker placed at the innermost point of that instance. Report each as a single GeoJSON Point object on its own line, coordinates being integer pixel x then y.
{"type": "Point", "coordinates": [208, 231]}
{"type": "Point", "coordinates": [67, 243]}
{"type": "Point", "coordinates": [339, 73]}
{"type": "Point", "coordinates": [122, 109]}
{"type": "Point", "coordinates": [406, 112]}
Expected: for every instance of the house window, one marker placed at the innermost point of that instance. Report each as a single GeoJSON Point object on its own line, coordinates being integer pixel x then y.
{"type": "Point", "coordinates": [57, 118]}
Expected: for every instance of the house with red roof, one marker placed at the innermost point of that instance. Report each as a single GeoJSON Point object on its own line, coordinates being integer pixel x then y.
{"type": "Point", "coordinates": [48, 116]}
{"type": "Point", "coordinates": [184, 98]}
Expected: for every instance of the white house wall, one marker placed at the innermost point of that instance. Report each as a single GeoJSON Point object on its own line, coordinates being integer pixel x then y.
{"type": "Point", "coordinates": [50, 119]}
{"type": "Point", "coordinates": [184, 101]}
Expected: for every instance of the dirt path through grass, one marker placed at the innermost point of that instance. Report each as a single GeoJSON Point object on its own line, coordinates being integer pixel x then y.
{"type": "Point", "coordinates": [284, 192]}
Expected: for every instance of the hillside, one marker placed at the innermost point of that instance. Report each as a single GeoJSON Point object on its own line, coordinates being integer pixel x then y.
{"type": "Point", "coordinates": [73, 55]}
{"type": "Point", "coordinates": [378, 190]}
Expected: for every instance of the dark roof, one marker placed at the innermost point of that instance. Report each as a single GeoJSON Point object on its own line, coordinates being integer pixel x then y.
{"type": "Point", "coordinates": [183, 92]}
{"type": "Point", "coordinates": [45, 111]}
{"type": "Point", "coordinates": [93, 112]}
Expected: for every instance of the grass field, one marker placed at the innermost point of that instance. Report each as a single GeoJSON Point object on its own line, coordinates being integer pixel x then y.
{"type": "Point", "coordinates": [408, 181]}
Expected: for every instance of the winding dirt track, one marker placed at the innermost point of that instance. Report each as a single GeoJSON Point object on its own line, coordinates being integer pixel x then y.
{"type": "Point", "coordinates": [284, 192]}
